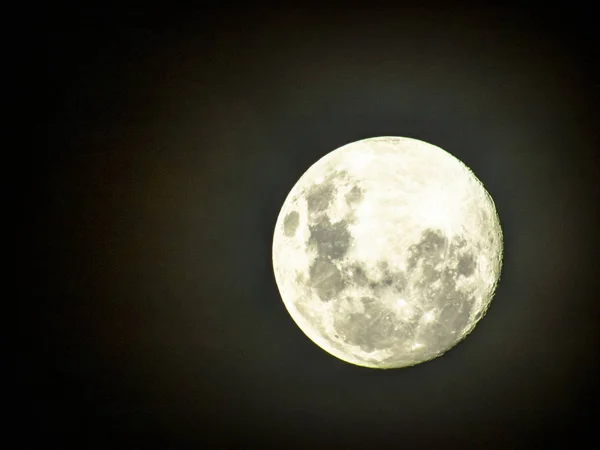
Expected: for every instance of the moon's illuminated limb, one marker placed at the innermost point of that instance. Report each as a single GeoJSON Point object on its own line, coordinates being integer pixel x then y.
{"type": "Point", "coordinates": [387, 252]}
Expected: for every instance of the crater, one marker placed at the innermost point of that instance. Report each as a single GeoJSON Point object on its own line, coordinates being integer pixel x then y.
{"type": "Point", "coordinates": [329, 240]}
{"type": "Point", "coordinates": [290, 223]}
{"type": "Point", "coordinates": [326, 279]}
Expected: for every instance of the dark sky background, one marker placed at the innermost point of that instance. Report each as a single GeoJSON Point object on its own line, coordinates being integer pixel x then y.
{"type": "Point", "coordinates": [173, 138]}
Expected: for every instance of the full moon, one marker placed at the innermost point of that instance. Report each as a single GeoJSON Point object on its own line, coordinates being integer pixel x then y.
{"type": "Point", "coordinates": [387, 252]}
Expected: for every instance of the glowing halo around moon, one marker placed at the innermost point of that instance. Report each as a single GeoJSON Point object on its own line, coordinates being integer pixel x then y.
{"type": "Point", "coordinates": [387, 252]}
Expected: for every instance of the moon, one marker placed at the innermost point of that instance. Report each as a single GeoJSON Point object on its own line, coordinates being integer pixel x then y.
{"type": "Point", "coordinates": [387, 252]}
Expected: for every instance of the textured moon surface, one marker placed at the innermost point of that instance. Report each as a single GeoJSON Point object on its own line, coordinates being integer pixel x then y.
{"type": "Point", "coordinates": [387, 252]}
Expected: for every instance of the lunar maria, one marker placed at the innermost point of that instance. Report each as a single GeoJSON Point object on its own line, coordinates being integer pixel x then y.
{"type": "Point", "coordinates": [387, 252]}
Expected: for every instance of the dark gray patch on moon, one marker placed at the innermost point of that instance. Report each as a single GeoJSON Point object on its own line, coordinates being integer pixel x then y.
{"type": "Point", "coordinates": [431, 248]}
{"type": "Point", "coordinates": [339, 174]}
{"type": "Point", "coordinates": [354, 196]}
{"type": "Point", "coordinates": [290, 223]}
{"type": "Point", "coordinates": [378, 327]}
{"type": "Point", "coordinates": [381, 331]}
{"type": "Point", "coordinates": [398, 281]}
{"type": "Point", "coordinates": [329, 240]}
{"type": "Point", "coordinates": [354, 330]}
{"type": "Point", "coordinates": [372, 330]}
{"type": "Point", "coordinates": [368, 303]}
{"type": "Point", "coordinates": [435, 257]}
{"type": "Point", "coordinates": [320, 197]}
{"type": "Point", "coordinates": [443, 293]}
{"type": "Point", "coordinates": [455, 315]}
{"type": "Point", "coordinates": [459, 242]}
{"type": "Point", "coordinates": [326, 279]}
{"type": "Point", "coordinates": [455, 310]}
{"type": "Point", "coordinates": [358, 275]}
{"type": "Point", "coordinates": [430, 256]}
{"type": "Point", "coordinates": [391, 279]}
{"type": "Point", "coordinates": [466, 265]}
{"type": "Point", "coordinates": [387, 281]}
{"type": "Point", "coordinates": [430, 273]}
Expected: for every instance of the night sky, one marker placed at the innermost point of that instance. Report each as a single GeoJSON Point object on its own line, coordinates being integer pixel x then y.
{"type": "Point", "coordinates": [173, 138]}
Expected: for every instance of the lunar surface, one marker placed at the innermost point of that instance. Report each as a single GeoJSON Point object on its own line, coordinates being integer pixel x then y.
{"type": "Point", "coordinates": [387, 252]}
